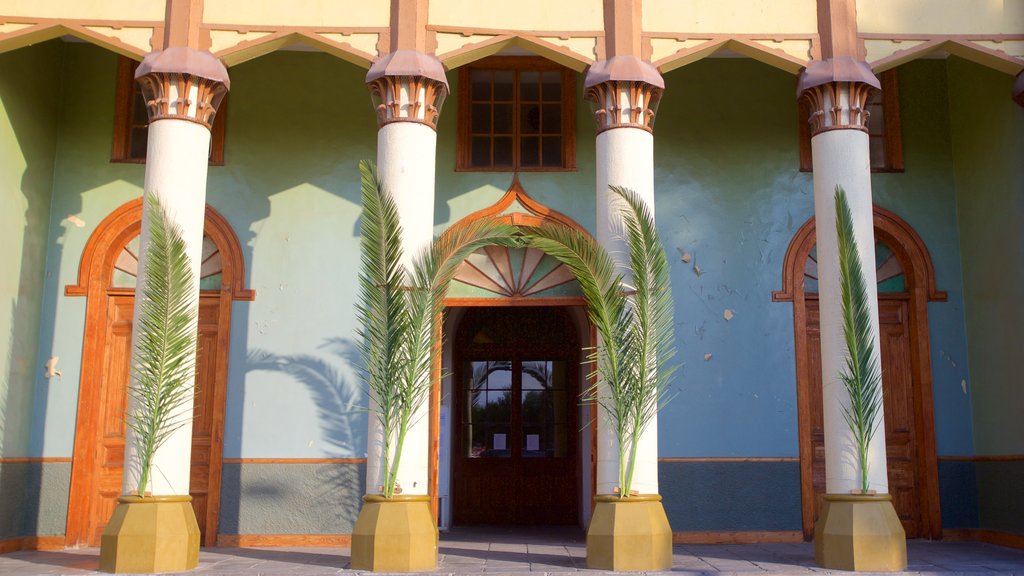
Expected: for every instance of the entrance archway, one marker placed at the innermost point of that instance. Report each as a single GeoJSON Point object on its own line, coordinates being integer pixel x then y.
{"type": "Point", "coordinates": [515, 318]}
{"type": "Point", "coordinates": [106, 277]}
{"type": "Point", "coordinates": [515, 417]}
{"type": "Point", "coordinates": [906, 283]}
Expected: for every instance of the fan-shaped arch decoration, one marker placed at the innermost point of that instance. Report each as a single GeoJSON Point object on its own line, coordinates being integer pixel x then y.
{"type": "Point", "coordinates": [126, 265]}
{"type": "Point", "coordinates": [888, 270]}
{"type": "Point", "coordinates": [495, 272]}
{"type": "Point", "coordinates": [110, 257]}
{"type": "Point", "coordinates": [515, 272]}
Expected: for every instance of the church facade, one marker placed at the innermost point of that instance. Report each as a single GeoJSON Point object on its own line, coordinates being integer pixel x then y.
{"type": "Point", "coordinates": [735, 120]}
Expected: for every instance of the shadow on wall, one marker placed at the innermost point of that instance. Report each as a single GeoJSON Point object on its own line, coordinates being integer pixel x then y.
{"type": "Point", "coordinates": [340, 408]}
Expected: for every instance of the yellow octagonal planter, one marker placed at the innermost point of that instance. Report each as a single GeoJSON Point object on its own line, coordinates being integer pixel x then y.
{"type": "Point", "coordinates": [629, 534]}
{"type": "Point", "coordinates": [860, 532]}
{"type": "Point", "coordinates": [151, 534]}
{"type": "Point", "coordinates": [396, 534]}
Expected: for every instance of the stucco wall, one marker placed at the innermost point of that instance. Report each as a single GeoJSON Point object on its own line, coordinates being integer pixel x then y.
{"type": "Point", "coordinates": [988, 145]}
{"type": "Point", "coordinates": [29, 113]}
{"type": "Point", "coordinates": [728, 192]}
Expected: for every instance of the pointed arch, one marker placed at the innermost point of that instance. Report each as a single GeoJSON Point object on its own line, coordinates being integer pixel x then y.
{"type": "Point", "coordinates": [533, 213]}
{"type": "Point", "coordinates": [105, 356]}
{"type": "Point", "coordinates": [914, 259]}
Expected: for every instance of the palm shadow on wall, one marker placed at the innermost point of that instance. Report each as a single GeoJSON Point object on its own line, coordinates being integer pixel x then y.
{"type": "Point", "coordinates": [341, 409]}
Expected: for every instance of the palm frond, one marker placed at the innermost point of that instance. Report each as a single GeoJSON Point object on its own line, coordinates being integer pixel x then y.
{"type": "Point", "coordinates": [861, 377]}
{"type": "Point", "coordinates": [633, 361]}
{"type": "Point", "coordinates": [164, 357]}
{"type": "Point", "coordinates": [399, 310]}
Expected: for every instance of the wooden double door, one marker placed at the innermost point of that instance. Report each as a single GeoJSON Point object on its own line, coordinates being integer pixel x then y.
{"type": "Point", "coordinates": [898, 397]}
{"type": "Point", "coordinates": [516, 402]}
{"type": "Point", "coordinates": [104, 471]}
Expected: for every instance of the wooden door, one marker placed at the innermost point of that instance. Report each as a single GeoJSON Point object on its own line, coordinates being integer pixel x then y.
{"type": "Point", "coordinates": [515, 451]}
{"type": "Point", "coordinates": [108, 465]}
{"type": "Point", "coordinates": [898, 404]}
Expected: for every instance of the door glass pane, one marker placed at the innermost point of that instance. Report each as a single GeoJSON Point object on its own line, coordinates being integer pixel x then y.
{"type": "Point", "coordinates": [543, 410]}
{"type": "Point", "coordinates": [488, 417]}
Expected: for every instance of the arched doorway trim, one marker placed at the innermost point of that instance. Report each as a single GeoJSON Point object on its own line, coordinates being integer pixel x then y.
{"type": "Point", "coordinates": [95, 274]}
{"type": "Point", "coordinates": [919, 272]}
{"type": "Point", "coordinates": [518, 208]}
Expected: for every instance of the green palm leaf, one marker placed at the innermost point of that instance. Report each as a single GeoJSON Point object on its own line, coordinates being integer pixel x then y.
{"type": "Point", "coordinates": [399, 312]}
{"type": "Point", "coordinates": [861, 377]}
{"type": "Point", "coordinates": [164, 357]}
{"type": "Point", "coordinates": [635, 326]}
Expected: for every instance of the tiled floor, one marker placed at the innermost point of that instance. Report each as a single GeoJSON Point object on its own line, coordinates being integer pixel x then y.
{"type": "Point", "coordinates": [498, 551]}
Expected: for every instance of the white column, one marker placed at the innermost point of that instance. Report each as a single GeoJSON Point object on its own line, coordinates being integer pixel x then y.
{"type": "Point", "coordinates": [841, 158]}
{"type": "Point", "coordinates": [624, 92]}
{"type": "Point", "coordinates": [405, 164]}
{"type": "Point", "coordinates": [625, 157]}
{"type": "Point", "coordinates": [177, 152]}
{"type": "Point", "coordinates": [408, 89]}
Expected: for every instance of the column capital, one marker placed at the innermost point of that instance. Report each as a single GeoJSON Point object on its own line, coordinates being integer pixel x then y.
{"type": "Point", "coordinates": [407, 86]}
{"type": "Point", "coordinates": [837, 90]}
{"type": "Point", "coordinates": [1018, 89]}
{"type": "Point", "coordinates": [624, 91]}
{"type": "Point", "coordinates": [183, 84]}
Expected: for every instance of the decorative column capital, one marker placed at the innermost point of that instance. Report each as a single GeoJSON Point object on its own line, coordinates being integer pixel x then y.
{"type": "Point", "coordinates": [1018, 89]}
{"type": "Point", "coordinates": [838, 90]}
{"type": "Point", "coordinates": [183, 84]}
{"type": "Point", "coordinates": [624, 91]}
{"type": "Point", "coordinates": [407, 86]}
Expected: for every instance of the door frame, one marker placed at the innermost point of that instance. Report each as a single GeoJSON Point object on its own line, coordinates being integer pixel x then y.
{"type": "Point", "coordinates": [517, 208]}
{"type": "Point", "coordinates": [919, 273]}
{"type": "Point", "coordinates": [576, 385]}
{"type": "Point", "coordinates": [95, 272]}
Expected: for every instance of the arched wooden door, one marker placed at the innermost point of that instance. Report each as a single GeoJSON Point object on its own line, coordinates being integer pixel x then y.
{"type": "Point", "coordinates": [515, 451]}
{"type": "Point", "coordinates": [107, 276]}
{"type": "Point", "coordinates": [906, 282]}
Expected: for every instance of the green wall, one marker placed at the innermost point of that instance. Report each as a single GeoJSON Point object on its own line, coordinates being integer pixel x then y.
{"type": "Point", "coordinates": [728, 192]}
{"type": "Point", "coordinates": [30, 92]}
{"type": "Point", "coordinates": [988, 152]}
{"type": "Point", "coordinates": [988, 160]}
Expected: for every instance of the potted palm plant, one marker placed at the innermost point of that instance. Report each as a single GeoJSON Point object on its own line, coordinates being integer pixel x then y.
{"type": "Point", "coordinates": [149, 533]}
{"type": "Point", "coordinates": [628, 531]}
{"type": "Point", "coordinates": [399, 311]}
{"type": "Point", "coordinates": [860, 530]}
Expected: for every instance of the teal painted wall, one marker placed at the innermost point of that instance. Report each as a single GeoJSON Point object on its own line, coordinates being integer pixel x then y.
{"type": "Point", "coordinates": [988, 147]}
{"type": "Point", "coordinates": [729, 192]}
{"type": "Point", "coordinates": [29, 113]}
{"type": "Point", "coordinates": [296, 130]}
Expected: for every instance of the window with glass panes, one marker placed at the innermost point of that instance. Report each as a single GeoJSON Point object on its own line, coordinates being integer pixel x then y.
{"type": "Point", "coordinates": [517, 113]}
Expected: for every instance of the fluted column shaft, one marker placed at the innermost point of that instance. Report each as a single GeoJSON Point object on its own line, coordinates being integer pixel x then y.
{"type": "Point", "coordinates": [408, 89]}
{"type": "Point", "coordinates": [838, 90]}
{"type": "Point", "coordinates": [625, 92]}
{"type": "Point", "coordinates": [182, 90]}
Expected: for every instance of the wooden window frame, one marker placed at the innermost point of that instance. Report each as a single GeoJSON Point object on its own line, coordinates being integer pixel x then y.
{"type": "Point", "coordinates": [893, 130]}
{"type": "Point", "coordinates": [124, 107]}
{"type": "Point", "coordinates": [464, 152]}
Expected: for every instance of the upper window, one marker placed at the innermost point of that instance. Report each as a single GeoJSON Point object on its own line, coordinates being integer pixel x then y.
{"type": "Point", "coordinates": [883, 128]}
{"type": "Point", "coordinates": [516, 114]}
{"type": "Point", "coordinates": [131, 122]}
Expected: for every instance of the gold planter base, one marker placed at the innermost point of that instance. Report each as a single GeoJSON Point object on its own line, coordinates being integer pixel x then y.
{"type": "Point", "coordinates": [152, 534]}
{"type": "Point", "coordinates": [395, 534]}
{"type": "Point", "coordinates": [629, 534]}
{"type": "Point", "coordinates": [858, 532]}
